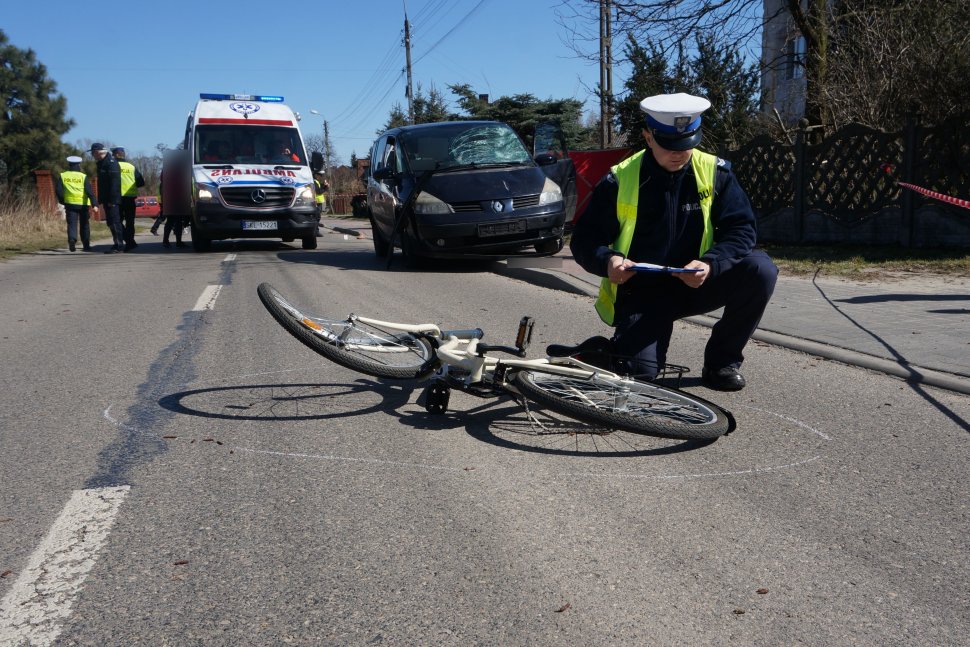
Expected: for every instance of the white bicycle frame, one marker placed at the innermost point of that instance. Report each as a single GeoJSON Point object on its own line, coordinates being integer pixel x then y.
{"type": "Point", "coordinates": [459, 349]}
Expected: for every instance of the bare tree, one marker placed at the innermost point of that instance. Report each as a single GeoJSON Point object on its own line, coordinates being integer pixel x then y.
{"type": "Point", "coordinates": [864, 60]}
{"type": "Point", "coordinates": [735, 24]}
{"type": "Point", "coordinates": [890, 59]}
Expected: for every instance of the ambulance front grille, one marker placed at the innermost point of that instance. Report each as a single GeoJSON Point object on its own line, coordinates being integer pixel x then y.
{"type": "Point", "coordinates": [258, 197]}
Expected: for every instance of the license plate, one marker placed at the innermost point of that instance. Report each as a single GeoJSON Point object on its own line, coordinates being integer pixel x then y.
{"type": "Point", "coordinates": [260, 224]}
{"type": "Point", "coordinates": [501, 228]}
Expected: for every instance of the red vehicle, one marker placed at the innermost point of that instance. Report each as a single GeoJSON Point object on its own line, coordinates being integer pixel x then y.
{"type": "Point", "coordinates": [146, 206]}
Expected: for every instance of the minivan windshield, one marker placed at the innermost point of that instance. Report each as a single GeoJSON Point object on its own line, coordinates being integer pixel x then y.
{"type": "Point", "coordinates": [463, 144]}
{"type": "Point", "coordinates": [248, 145]}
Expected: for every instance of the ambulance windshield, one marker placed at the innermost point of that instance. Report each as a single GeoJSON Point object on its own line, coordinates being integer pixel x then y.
{"type": "Point", "coordinates": [248, 145]}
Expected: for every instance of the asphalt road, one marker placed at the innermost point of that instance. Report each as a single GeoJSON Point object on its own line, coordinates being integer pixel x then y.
{"type": "Point", "coordinates": [177, 470]}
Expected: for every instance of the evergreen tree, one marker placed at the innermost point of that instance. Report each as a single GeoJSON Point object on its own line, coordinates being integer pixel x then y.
{"type": "Point", "coordinates": [523, 112]}
{"type": "Point", "coordinates": [32, 115]}
{"type": "Point", "coordinates": [714, 72]}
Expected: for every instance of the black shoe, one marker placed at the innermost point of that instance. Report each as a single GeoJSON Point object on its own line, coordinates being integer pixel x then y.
{"type": "Point", "coordinates": [113, 250]}
{"type": "Point", "coordinates": [165, 243]}
{"type": "Point", "coordinates": [70, 245]}
{"type": "Point", "coordinates": [86, 248]}
{"type": "Point", "coordinates": [154, 231]}
{"type": "Point", "coordinates": [723, 379]}
{"type": "Point", "coordinates": [180, 244]}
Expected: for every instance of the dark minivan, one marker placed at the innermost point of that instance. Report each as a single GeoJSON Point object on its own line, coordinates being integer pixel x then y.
{"type": "Point", "coordinates": [464, 189]}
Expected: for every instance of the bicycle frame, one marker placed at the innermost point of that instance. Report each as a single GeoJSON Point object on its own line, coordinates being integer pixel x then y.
{"type": "Point", "coordinates": [459, 349]}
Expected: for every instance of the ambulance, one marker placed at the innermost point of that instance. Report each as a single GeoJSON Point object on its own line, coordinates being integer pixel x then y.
{"type": "Point", "coordinates": [243, 172]}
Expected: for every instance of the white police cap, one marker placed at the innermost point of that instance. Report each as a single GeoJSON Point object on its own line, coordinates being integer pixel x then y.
{"type": "Point", "coordinates": [675, 119]}
{"type": "Point", "coordinates": [74, 159]}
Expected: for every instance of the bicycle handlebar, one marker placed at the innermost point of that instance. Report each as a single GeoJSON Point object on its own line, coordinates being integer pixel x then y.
{"type": "Point", "coordinates": [468, 333]}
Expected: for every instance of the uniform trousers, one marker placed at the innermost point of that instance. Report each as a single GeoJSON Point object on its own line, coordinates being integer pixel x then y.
{"type": "Point", "coordinates": [645, 315]}
{"type": "Point", "coordinates": [128, 220]}
{"type": "Point", "coordinates": [112, 218]}
{"type": "Point", "coordinates": [77, 215]}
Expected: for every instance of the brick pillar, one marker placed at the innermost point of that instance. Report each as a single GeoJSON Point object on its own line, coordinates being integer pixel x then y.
{"type": "Point", "coordinates": [45, 191]}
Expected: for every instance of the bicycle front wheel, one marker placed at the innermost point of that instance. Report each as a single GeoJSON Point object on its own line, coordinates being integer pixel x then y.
{"type": "Point", "coordinates": [628, 405]}
{"type": "Point", "coordinates": [353, 344]}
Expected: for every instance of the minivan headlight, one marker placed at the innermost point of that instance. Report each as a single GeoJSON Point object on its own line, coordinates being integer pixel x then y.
{"type": "Point", "coordinates": [427, 204]}
{"type": "Point", "coordinates": [551, 193]}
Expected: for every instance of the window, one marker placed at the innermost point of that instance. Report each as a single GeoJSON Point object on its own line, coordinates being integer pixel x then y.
{"type": "Point", "coordinates": [795, 58]}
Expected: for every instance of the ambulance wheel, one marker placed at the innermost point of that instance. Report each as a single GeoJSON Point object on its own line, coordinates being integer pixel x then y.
{"type": "Point", "coordinates": [199, 242]}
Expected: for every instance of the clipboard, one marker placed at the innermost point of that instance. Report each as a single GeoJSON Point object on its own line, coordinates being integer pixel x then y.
{"type": "Point", "coordinates": [650, 267]}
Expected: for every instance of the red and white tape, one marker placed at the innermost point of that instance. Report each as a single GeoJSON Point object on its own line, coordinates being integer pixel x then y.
{"type": "Point", "coordinates": [939, 196]}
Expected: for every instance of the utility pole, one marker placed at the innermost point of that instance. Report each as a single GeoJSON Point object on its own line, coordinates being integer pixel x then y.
{"type": "Point", "coordinates": [606, 73]}
{"type": "Point", "coordinates": [407, 53]}
{"type": "Point", "coordinates": [327, 152]}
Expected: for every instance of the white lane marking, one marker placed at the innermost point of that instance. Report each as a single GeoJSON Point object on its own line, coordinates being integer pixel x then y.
{"type": "Point", "coordinates": [208, 299]}
{"type": "Point", "coordinates": [34, 610]}
{"type": "Point", "coordinates": [229, 259]}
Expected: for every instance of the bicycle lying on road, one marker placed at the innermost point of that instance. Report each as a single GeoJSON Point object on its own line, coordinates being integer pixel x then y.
{"type": "Point", "coordinates": [459, 359]}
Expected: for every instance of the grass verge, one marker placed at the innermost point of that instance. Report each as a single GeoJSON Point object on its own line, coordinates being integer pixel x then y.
{"type": "Point", "coordinates": [868, 263]}
{"type": "Point", "coordinates": [26, 228]}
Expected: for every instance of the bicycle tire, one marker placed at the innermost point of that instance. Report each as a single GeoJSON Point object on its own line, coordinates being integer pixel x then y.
{"type": "Point", "coordinates": [645, 408]}
{"type": "Point", "coordinates": [354, 345]}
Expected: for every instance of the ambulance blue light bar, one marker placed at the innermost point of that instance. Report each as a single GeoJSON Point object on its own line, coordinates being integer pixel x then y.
{"type": "Point", "coordinates": [269, 98]}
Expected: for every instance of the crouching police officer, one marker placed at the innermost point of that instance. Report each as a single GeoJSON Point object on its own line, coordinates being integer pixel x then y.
{"type": "Point", "coordinates": [74, 191]}
{"type": "Point", "coordinates": [677, 207]}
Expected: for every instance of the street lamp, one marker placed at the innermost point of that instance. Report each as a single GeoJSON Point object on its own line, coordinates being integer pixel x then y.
{"type": "Point", "coordinates": [326, 145]}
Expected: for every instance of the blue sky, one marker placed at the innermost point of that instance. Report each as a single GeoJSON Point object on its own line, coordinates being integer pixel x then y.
{"type": "Point", "coordinates": [131, 71]}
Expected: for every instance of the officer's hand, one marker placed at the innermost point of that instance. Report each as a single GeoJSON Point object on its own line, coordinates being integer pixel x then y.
{"type": "Point", "coordinates": [616, 270]}
{"type": "Point", "coordinates": [695, 279]}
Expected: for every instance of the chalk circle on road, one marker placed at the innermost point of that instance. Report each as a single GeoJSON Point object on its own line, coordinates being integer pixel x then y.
{"type": "Point", "coordinates": [281, 419]}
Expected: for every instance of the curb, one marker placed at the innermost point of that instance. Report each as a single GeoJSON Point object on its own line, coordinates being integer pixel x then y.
{"type": "Point", "coordinates": [911, 373]}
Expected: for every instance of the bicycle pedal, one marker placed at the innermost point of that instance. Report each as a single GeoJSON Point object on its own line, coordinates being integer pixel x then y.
{"type": "Point", "coordinates": [436, 397]}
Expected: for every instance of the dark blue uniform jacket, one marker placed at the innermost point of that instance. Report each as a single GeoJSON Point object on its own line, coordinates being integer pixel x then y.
{"type": "Point", "coordinates": [669, 224]}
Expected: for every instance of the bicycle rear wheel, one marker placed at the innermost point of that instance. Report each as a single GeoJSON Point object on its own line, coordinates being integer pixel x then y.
{"type": "Point", "coordinates": [352, 344]}
{"type": "Point", "coordinates": [629, 405]}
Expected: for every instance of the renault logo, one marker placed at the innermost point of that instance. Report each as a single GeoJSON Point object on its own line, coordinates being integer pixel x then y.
{"type": "Point", "coordinates": [497, 206]}
{"type": "Point", "coordinates": [258, 196]}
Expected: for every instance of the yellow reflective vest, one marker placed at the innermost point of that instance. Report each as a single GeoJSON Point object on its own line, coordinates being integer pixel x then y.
{"type": "Point", "coordinates": [627, 175]}
{"type": "Point", "coordinates": [128, 188]}
{"type": "Point", "coordinates": [74, 194]}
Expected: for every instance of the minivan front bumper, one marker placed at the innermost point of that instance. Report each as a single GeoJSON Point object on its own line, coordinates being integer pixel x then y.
{"type": "Point", "coordinates": [487, 237]}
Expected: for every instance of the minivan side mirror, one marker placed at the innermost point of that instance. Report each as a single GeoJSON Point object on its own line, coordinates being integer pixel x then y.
{"type": "Point", "coordinates": [545, 159]}
{"type": "Point", "coordinates": [316, 161]}
{"type": "Point", "coordinates": [382, 173]}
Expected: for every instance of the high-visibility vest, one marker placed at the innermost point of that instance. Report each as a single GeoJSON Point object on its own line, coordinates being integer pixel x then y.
{"type": "Point", "coordinates": [627, 175]}
{"type": "Point", "coordinates": [128, 188]}
{"type": "Point", "coordinates": [321, 196]}
{"type": "Point", "coordinates": [74, 194]}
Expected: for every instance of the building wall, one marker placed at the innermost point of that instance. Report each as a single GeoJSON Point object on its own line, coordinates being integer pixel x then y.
{"type": "Point", "coordinates": [782, 82]}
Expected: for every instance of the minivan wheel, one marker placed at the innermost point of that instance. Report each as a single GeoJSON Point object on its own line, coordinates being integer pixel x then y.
{"type": "Point", "coordinates": [409, 250]}
{"type": "Point", "coordinates": [310, 242]}
{"type": "Point", "coordinates": [381, 247]}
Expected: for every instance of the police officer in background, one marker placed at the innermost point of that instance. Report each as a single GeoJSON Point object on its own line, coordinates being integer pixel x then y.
{"type": "Point", "coordinates": [109, 195]}
{"type": "Point", "coordinates": [131, 181]}
{"type": "Point", "coordinates": [677, 207]}
{"type": "Point", "coordinates": [74, 191]}
{"type": "Point", "coordinates": [321, 187]}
